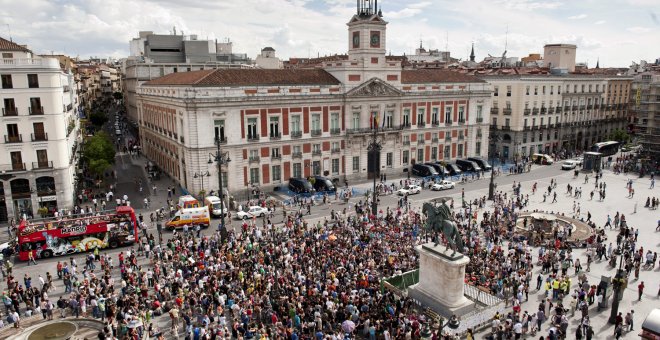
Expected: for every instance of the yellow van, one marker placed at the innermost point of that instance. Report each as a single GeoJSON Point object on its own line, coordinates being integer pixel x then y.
{"type": "Point", "coordinates": [191, 217]}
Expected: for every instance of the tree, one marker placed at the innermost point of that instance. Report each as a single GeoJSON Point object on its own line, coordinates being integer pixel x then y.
{"type": "Point", "coordinates": [619, 136]}
{"type": "Point", "coordinates": [98, 118]}
{"type": "Point", "coordinates": [118, 95]}
{"type": "Point", "coordinates": [99, 153]}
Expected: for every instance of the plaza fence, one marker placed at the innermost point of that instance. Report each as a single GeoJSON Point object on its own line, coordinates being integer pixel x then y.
{"type": "Point", "coordinates": [399, 283]}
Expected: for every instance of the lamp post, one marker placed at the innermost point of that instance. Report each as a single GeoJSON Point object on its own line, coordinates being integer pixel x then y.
{"type": "Point", "coordinates": [219, 158]}
{"type": "Point", "coordinates": [491, 187]}
{"type": "Point", "coordinates": [374, 148]}
{"type": "Point", "coordinates": [618, 284]}
{"type": "Point", "coordinates": [201, 175]}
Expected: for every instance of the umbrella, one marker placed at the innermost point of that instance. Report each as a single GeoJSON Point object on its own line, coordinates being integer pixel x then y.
{"type": "Point", "coordinates": [134, 324]}
{"type": "Point", "coordinates": [348, 326]}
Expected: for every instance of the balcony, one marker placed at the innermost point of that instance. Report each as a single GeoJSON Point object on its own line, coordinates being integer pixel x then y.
{"type": "Point", "coordinates": [404, 126]}
{"type": "Point", "coordinates": [254, 159]}
{"type": "Point", "coordinates": [296, 155]}
{"type": "Point", "coordinates": [558, 109]}
{"type": "Point", "coordinates": [14, 138]}
{"type": "Point", "coordinates": [526, 112]}
{"type": "Point", "coordinates": [222, 140]}
{"type": "Point", "coordinates": [589, 107]}
{"type": "Point", "coordinates": [493, 126]}
{"type": "Point", "coordinates": [276, 157]}
{"type": "Point", "coordinates": [36, 110]}
{"type": "Point", "coordinates": [461, 137]}
{"type": "Point", "coordinates": [13, 166]}
{"type": "Point", "coordinates": [535, 111]}
{"type": "Point", "coordinates": [253, 138]}
{"type": "Point", "coordinates": [567, 108]}
{"type": "Point", "coordinates": [583, 107]}
{"type": "Point", "coordinates": [480, 119]}
{"type": "Point", "coordinates": [296, 134]}
{"type": "Point", "coordinates": [421, 124]}
{"type": "Point", "coordinates": [494, 110]}
{"type": "Point", "coordinates": [316, 153]}
{"type": "Point", "coordinates": [551, 126]}
{"type": "Point", "coordinates": [559, 125]}
{"type": "Point", "coordinates": [9, 111]}
{"type": "Point", "coordinates": [275, 136]}
{"type": "Point", "coordinates": [335, 131]}
{"type": "Point", "coordinates": [461, 121]}
{"type": "Point", "coordinates": [448, 138]}
{"type": "Point", "coordinates": [527, 128]}
{"type": "Point", "coordinates": [507, 112]}
{"type": "Point", "coordinates": [42, 165]}
{"type": "Point", "coordinates": [51, 63]}
{"type": "Point", "coordinates": [479, 134]}
{"type": "Point", "coordinates": [420, 142]}
{"type": "Point", "coordinates": [551, 110]}
{"type": "Point", "coordinates": [535, 128]}
{"type": "Point", "coordinates": [335, 150]}
{"type": "Point", "coordinates": [434, 140]}
{"type": "Point", "coordinates": [406, 142]}
{"type": "Point", "coordinates": [448, 122]}
{"type": "Point", "coordinates": [435, 123]}
{"type": "Point", "coordinates": [316, 133]}
{"type": "Point", "coordinates": [542, 126]}
{"type": "Point", "coordinates": [506, 128]}
{"type": "Point", "coordinates": [543, 110]}
{"type": "Point", "coordinates": [39, 137]}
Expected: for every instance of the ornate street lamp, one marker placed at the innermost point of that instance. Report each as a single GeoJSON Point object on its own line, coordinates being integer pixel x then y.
{"type": "Point", "coordinates": [201, 175]}
{"type": "Point", "coordinates": [493, 138]}
{"type": "Point", "coordinates": [374, 148]}
{"type": "Point", "coordinates": [219, 158]}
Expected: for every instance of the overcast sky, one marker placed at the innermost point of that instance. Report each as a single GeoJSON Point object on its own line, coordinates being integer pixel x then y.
{"type": "Point", "coordinates": [616, 31]}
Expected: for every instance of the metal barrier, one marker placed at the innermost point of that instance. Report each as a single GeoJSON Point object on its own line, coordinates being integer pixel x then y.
{"type": "Point", "coordinates": [480, 296]}
{"type": "Point", "coordinates": [399, 283]}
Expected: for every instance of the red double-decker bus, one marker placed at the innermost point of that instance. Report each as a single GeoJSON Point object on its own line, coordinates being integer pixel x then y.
{"type": "Point", "coordinates": [76, 234]}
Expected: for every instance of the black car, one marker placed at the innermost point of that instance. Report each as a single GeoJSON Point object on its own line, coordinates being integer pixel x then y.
{"type": "Point", "coordinates": [467, 165]}
{"type": "Point", "coordinates": [323, 184]}
{"type": "Point", "coordinates": [483, 164]}
{"type": "Point", "coordinates": [300, 185]}
{"type": "Point", "coordinates": [453, 169]}
{"type": "Point", "coordinates": [422, 170]}
{"type": "Point", "coordinates": [439, 168]}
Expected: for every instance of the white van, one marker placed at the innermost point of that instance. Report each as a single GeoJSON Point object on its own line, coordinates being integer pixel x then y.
{"type": "Point", "coordinates": [216, 208]}
{"type": "Point", "coordinates": [189, 216]}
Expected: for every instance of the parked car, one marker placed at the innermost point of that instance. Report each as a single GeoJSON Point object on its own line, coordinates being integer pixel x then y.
{"type": "Point", "coordinates": [439, 168]}
{"type": "Point", "coordinates": [453, 169]}
{"type": "Point", "coordinates": [579, 160]}
{"type": "Point", "coordinates": [423, 170]}
{"type": "Point", "coordinates": [540, 158]}
{"type": "Point", "coordinates": [568, 164]}
{"type": "Point", "coordinates": [300, 185]}
{"type": "Point", "coordinates": [483, 164]}
{"type": "Point", "coordinates": [467, 165]}
{"type": "Point", "coordinates": [254, 211]}
{"type": "Point", "coordinates": [443, 185]}
{"type": "Point", "coordinates": [409, 190]}
{"type": "Point", "coordinates": [323, 184]}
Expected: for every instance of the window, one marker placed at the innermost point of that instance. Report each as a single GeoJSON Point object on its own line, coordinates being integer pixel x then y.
{"type": "Point", "coordinates": [496, 91]}
{"type": "Point", "coordinates": [389, 119]}
{"type": "Point", "coordinates": [477, 149]}
{"type": "Point", "coordinates": [525, 122]}
{"type": "Point", "coordinates": [252, 128]}
{"type": "Point", "coordinates": [297, 170]}
{"type": "Point", "coordinates": [7, 55]}
{"type": "Point", "coordinates": [494, 120]}
{"type": "Point", "coordinates": [254, 154]}
{"type": "Point", "coordinates": [434, 153]}
{"type": "Point", "coordinates": [420, 138]}
{"type": "Point", "coordinates": [540, 136]}
{"type": "Point", "coordinates": [295, 124]}
{"type": "Point", "coordinates": [42, 158]}
{"type": "Point", "coordinates": [508, 90]}
{"type": "Point", "coordinates": [461, 113]}
{"type": "Point", "coordinates": [406, 140]}
{"type": "Point", "coordinates": [316, 168]}
{"type": "Point", "coordinates": [582, 87]}
{"type": "Point", "coordinates": [39, 131]}
{"type": "Point", "coordinates": [219, 128]}
{"type": "Point", "coordinates": [6, 81]}
{"type": "Point", "coordinates": [405, 157]}
{"type": "Point", "coordinates": [16, 160]}
{"type": "Point", "coordinates": [334, 121]}
{"type": "Point", "coordinates": [35, 106]}
{"type": "Point", "coordinates": [558, 89]}
{"type": "Point", "coordinates": [356, 163]}
{"type": "Point", "coordinates": [524, 139]}
{"type": "Point", "coordinates": [316, 148]}
{"type": "Point", "coordinates": [356, 120]}
{"type": "Point", "coordinates": [459, 152]}
{"type": "Point", "coordinates": [389, 160]}
{"type": "Point", "coordinates": [274, 127]}
{"type": "Point", "coordinates": [420, 155]}
{"type": "Point", "coordinates": [480, 113]}
{"type": "Point", "coordinates": [552, 89]}
{"type": "Point", "coordinates": [275, 153]}
{"type": "Point", "coordinates": [527, 90]}
{"type": "Point", "coordinates": [406, 117]}
{"type": "Point", "coordinates": [10, 107]}
{"type": "Point", "coordinates": [12, 133]}
{"type": "Point", "coordinates": [448, 114]}
{"type": "Point", "coordinates": [434, 115]}
{"type": "Point", "coordinates": [335, 166]}
{"type": "Point", "coordinates": [277, 173]}
{"type": "Point", "coordinates": [33, 81]}
{"type": "Point", "coordinates": [447, 153]}
{"type": "Point", "coordinates": [254, 176]}
{"type": "Point", "coordinates": [316, 122]}
{"type": "Point", "coordinates": [536, 90]}
{"type": "Point", "coordinates": [420, 117]}
{"type": "Point", "coordinates": [543, 90]}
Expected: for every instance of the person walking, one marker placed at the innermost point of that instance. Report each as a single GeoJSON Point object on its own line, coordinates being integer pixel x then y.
{"type": "Point", "coordinates": [640, 290]}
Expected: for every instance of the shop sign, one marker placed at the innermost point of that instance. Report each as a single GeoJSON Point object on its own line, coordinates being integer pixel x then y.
{"type": "Point", "coordinates": [48, 198]}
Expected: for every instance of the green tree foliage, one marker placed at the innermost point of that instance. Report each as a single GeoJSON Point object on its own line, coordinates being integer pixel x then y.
{"type": "Point", "coordinates": [619, 136]}
{"type": "Point", "coordinates": [98, 118]}
{"type": "Point", "coordinates": [99, 153]}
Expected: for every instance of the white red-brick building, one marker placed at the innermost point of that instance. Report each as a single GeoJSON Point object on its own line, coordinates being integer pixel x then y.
{"type": "Point", "coordinates": [277, 124]}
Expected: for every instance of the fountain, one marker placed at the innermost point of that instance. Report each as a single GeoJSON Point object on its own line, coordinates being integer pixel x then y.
{"type": "Point", "coordinates": [54, 331]}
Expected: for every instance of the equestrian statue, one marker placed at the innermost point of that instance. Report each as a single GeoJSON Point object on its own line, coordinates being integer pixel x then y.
{"type": "Point", "coordinates": [439, 220]}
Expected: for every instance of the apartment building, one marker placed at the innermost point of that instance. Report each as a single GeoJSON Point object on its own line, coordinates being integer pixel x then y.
{"type": "Point", "coordinates": [546, 113]}
{"type": "Point", "coordinates": [645, 105]}
{"type": "Point", "coordinates": [40, 123]}
{"type": "Point", "coordinates": [277, 124]}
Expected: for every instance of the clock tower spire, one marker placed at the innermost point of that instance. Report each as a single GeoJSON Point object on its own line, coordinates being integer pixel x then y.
{"type": "Point", "coordinates": [366, 31]}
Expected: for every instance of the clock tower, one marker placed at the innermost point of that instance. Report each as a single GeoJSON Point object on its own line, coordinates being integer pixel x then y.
{"type": "Point", "coordinates": [366, 33]}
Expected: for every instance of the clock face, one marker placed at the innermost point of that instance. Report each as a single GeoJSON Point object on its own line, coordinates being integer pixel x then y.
{"type": "Point", "coordinates": [375, 39]}
{"type": "Point", "coordinates": [356, 40]}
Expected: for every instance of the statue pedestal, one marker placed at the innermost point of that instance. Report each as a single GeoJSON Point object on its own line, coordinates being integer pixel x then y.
{"type": "Point", "coordinates": [441, 281]}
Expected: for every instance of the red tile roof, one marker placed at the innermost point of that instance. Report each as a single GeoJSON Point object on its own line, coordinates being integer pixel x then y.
{"type": "Point", "coordinates": [6, 45]}
{"type": "Point", "coordinates": [426, 76]}
{"type": "Point", "coordinates": [247, 77]}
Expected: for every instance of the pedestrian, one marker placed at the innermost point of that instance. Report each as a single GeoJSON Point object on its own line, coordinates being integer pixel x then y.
{"type": "Point", "coordinates": [31, 259]}
{"type": "Point", "coordinates": [640, 290]}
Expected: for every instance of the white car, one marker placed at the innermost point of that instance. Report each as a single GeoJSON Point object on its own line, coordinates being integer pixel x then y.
{"type": "Point", "coordinates": [443, 185]}
{"type": "Point", "coordinates": [409, 190]}
{"type": "Point", "coordinates": [254, 211]}
{"type": "Point", "coordinates": [568, 164]}
{"type": "Point", "coordinates": [578, 160]}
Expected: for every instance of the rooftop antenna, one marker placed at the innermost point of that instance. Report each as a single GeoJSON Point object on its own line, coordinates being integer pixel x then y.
{"type": "Point", "coordinates": [506, 38]}
{"type": "Point", "coordinates": [447, 41]}
{"type": "Point", "coordinates": [173, 30]}
{"type": "Point", "coordinates": [9, 29]}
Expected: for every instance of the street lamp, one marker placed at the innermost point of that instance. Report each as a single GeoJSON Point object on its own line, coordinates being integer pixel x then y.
{"type": "Point", "coordinates": [491, 188]}
{"type": "Point", "coordinates": [618, 283]}
{"type": "Point", "coordinates": [374, 148]}
{"type": "Point", "coordinates": [201, 175]}
{"type": "Point", "coordinates": [219, 158]}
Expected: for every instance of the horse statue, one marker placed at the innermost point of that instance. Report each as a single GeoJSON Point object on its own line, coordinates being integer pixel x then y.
{"type": "Point", "coordinates": [439, 220]}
